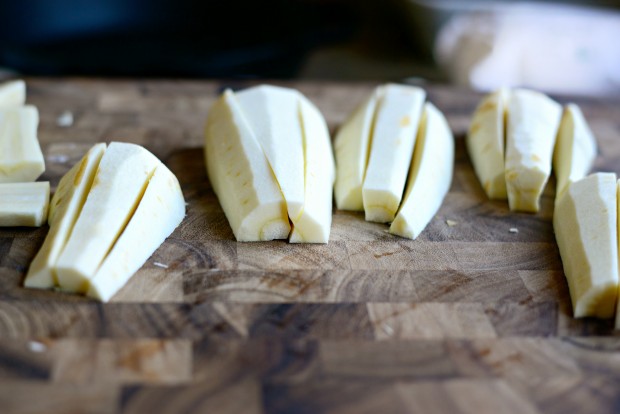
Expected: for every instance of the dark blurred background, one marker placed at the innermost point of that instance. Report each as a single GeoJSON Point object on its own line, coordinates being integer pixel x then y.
{"type": "Point", "coordinates": [318, 39]}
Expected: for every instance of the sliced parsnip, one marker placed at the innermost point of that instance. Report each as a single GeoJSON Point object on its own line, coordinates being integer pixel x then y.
{"type": "Point", "coordinates": [485, 143]}
{"type": "Point", "coordinates": [21, 159]}
{"type": "Point", "coordinates": [241, 176]}
{"type": "Point", "coordinates": [118, 186]}
{"type": "Point", "coordinates": [352, 147]}
{"type": "Point", "coordinates": [160, 211]}
{"type": "Point", "coordinates": [273, 115]}
{"type": "Point", "coordinates": [429, 177]}
{"type": "Point", "coordinates": [65, 208]}
{"type": "Point", "coordinates": [314, 224]}
{"type": "Point", "coordinates": [585, 226]}
{"type": "Point", "coordinates": [533, 120]}
{"type": "Point", "coordinates": [12, 94]}
{"type": "Point", "coordinates": [575, 149]}
{"type": "Point", "coordinates": [391, 151]}
{"type": "Point", "coordinates": [24, 204]}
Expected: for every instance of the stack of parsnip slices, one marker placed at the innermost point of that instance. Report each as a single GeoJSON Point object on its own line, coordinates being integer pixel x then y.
{"type": "Point", "coordinates": [270, 162]}
{"type": "Point", "coordinates": [395, 157]}
{"type": "Point", "coordinates": [511, 143]}
{"type": "Point", "coordinates": [23, 202]}
{"type": "Point", "coordinates": [108, 215]}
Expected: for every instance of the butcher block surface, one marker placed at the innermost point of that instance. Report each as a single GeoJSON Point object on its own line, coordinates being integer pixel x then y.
{"type": "Point", "coordinates": [474, 316]}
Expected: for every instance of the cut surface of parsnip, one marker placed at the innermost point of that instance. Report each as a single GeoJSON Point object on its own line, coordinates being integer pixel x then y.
{"type": "Point", "coordinates": [21, 159]}
{"type": "Point", "coordinates": [24, 204]}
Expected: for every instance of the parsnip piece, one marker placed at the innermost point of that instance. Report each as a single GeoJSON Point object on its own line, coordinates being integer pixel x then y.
{"type": "Point", "coordinates": [241, 176]}
{"type": "Point", "coordinates": [273, 115]}
{"type": "Point", "coordinates": [21, 159]}
{"type": "Point", "coordinates": [314, 224]}
{"type": "Point", "coordinates": [118, 186]}
{"type": "Point", "coordinates": [533, 121]}
{"type": "Point", "coordinates": [24, 204]}
{"type": "Point", "coordinates": [485, 143]}
{"type": "Point", "coordinates": [65, 208]}
{"type": "Point", "coordinates": [585, 226]}
{"type": "Point", "coordinates": [575, 149]}
{"type": "Point", "coordinates": [12, 94]}
{"type": "Point", "coordinates": [429, 177]}
{"type": "Point", "coordinates": [393, 140]}
{"type": "Point", "coordinates": [160, 211]}
{"type": "Point", "coordinates": [352, 147]}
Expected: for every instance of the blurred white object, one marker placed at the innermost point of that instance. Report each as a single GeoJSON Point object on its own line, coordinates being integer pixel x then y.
{"type": "Point", "coordinates": [65, 119]}
{"type": "Point", "coordinates": [553, 48]}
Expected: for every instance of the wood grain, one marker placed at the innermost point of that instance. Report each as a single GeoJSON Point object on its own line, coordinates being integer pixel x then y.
{"type": "Point", "coordinates": [469, 318]}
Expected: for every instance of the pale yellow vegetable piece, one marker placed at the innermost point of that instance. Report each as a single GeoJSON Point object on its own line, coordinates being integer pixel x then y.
{"type": "Point", "coordinates": [65, 208]}
{"type": "Point", "coordinates": [12, 94]}
{"type": "Point", "coordinates": [24, 204]}
{"type": "Point", "coordinates": [314, 224]}
{"type": "Point", "coordinates": [391, 151]}
{"type": "Point", "coordinates": [118, 186]}
{"type": "Point", "coordinates": [585, 225]}
{"type": "Point", "coordinates": [575, 149]}
{"type": "Point", "coordinates": [160, 211]}
{"type": "Point", "coordinates": [241, 176]}
{"type": "Point", "coordinates": [533, 121]}
{"type": "Point", "coordinates": [273, 115]}
{"type": "Point", "coordinates": [21, 159]}
{"type": "Point", "coordinates": [429, 177]}
{"type": "Point", "coordinates": [485, 143]}
{"type": "Point", "coordinates": [352, 147]}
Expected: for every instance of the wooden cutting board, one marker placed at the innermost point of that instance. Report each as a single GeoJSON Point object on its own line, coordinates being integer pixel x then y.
{"type": "Point", "coordinates": [471, 317]}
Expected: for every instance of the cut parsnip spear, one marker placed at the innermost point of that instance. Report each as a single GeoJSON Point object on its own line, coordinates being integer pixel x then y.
{"type": "Point", "coordinates": [429, 177]}
{"type": "Point", "coordinates": [12, 94]}
{"type": "Point", "coordinates": [585, 225]}
{"type": "Point", "coordinates": [575, 149]}
{"type": "Point", "coordinates": [352, 146]}
{"type": "Point", "coordinates": [65, 208]}
{"type": "Point", "coordinates": [21, 159]}
{"type": "Point", "coordinates": [273, 115]}
{"type": "Point", "coordinates": [485, 143]}
{"type": "Point", "coordinates": [241, 176]}
{"type": "Point", "coordinates": [314, 224]}
{"type": "Point", "coordinates": [533, 121]}
{"type": "Point", "coordinates": [118, 186]}
{"type": "Point", "coordinates": [24, 204]}
{"type": "Point", "coordinates": [160, 211]}
{"type": "Point", "coordinates": [391, 151]}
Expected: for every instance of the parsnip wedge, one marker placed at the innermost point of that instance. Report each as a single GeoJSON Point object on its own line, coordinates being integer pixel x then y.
{"type": "Point", "coordinates": [160, 211]}
{"type": "Point", "coordinates": [485, 143]}
{"type": "Point", "coordinates": [585, 226]}
{"type": "Point", "coordinates": [533, 121]}
{"type": "Point", "coordinates": [430, 175]}
{"type": "Point", "coordinates": [352, 147]}
{"type": "Point", "coordinates": [118, 186]}
{"type": "Point", "coordinates": [12, 94]}
{"type": "Point", "coordinates": [24, 204]}
{"type": "Point", "coordinates": [65, 208]}
{"type": "Point", "coordinates": [21, 159]}
{"type": "Point", "coordinates": [273, 115]}
{"type": "Point", "coordinates": [393, 140]}
{"type": "Point", "coordinates": [575, 149]}
{"type": "Point", "coordinates": [314, 224]}
{"type": "Point", "coordinates": [241, 176]}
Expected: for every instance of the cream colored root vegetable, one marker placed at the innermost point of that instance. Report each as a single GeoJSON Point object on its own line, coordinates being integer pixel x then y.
{"type": "Point", "coordinates": [241, 176]}
{"type": "Point", "coordinates": [24, 204]}
{"type": "Point", "coordinates": [533, 121]}
{"type": "Point", "coordinates": [65, 208]}
{"type": "Point", "coordinates": [21, 159]}
{"type": "Point", "coordinates": [391, 151]}
{"type": "Point", "coordinates": [485, 143]}
{"type": "Point", "coordinates": [430, 175]}
{"type": "Point", "coordinates": [585, 225]}
{"type": "Point", "coordinates": [12, 94]}
{"type": "Point", "coordinates": [575, 149]}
